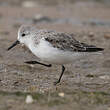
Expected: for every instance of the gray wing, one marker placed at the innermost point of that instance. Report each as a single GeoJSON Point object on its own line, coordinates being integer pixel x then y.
{"type": "Point", "coordinates": [67, 42]}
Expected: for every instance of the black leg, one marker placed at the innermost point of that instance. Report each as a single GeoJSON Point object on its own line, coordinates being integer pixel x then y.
{"type": "Point", "coordinates": [63, 69]}
{"type": "Point", "coordinates": [35, 62]}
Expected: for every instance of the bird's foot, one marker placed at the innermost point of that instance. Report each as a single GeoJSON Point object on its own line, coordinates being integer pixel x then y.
{"type": "Point", "coordinates": [36, 62]}
{"type": "Point", "coordinates": [56, 82]}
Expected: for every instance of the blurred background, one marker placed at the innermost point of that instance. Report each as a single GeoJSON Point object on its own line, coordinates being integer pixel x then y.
{"type": "Point", "coordinates": [85, 84]}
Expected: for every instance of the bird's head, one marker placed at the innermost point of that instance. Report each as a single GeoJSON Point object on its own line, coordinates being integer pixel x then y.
{"type": "Point", "coordinates": [24, 35]}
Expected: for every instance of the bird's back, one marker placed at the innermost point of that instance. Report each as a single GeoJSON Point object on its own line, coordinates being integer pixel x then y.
{"type": "Point", "coordinates": [66, 42]}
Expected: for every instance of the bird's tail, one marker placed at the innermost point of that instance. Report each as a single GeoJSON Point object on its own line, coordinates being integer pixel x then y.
{"type": "Point", "coordinates": [93, 49]}
{"type": "Point", "coordinates": [88, 48]}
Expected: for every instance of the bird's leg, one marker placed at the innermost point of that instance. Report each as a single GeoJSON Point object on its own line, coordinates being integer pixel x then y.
{"type": "Point", "coordinates": [36, 62]}
{"type": "Point", "coordinates": [63, 69]}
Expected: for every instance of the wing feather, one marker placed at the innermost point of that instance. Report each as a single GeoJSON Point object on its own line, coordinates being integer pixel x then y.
{"type": "Point", "coordinates": [67, 42]}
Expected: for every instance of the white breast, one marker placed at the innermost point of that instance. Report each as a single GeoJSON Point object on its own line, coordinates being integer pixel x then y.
{"type": "Point", "coordinates": [47, 53]}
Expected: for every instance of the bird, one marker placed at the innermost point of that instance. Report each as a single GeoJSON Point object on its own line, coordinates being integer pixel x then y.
{"type": "Point", "coordinates": [53, 47]}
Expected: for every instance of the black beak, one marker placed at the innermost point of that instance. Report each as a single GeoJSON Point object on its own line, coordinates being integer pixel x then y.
{"type": "Point", "coordinates": [14, 44]}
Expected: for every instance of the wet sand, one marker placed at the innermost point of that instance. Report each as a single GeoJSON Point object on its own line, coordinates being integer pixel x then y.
{"type": "Point", "coordinates": [85, 84]}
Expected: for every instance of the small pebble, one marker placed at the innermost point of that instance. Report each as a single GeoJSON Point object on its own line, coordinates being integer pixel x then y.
{"type": "Point", "coordinates": [107, 36]}
{"type": "Point", "coordinates": [104, 77]}
{"type": "Point", "coordinates": [91, 34]}
{"type": "Point", "coordinates": [38, 16]}
{"type": "Point", "coordinates": [29, 4]}
{"type": "Point", "coordinates": [31, 65]}
{"type": "Point", "coordinates": [61, 94]}
{"type": "Point", "coordinates": [29, 99]}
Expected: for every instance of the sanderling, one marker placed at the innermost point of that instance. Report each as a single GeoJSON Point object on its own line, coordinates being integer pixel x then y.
{"type": "Point", "coordinates": [52, 47]}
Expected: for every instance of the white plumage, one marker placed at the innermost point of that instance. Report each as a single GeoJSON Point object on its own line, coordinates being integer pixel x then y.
{"type": "Point", "coordinates": [47, 53]}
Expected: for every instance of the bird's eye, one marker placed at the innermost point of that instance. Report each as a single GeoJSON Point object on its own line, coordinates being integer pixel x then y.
{"type": "Point", "coordinates": [23, 35]}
